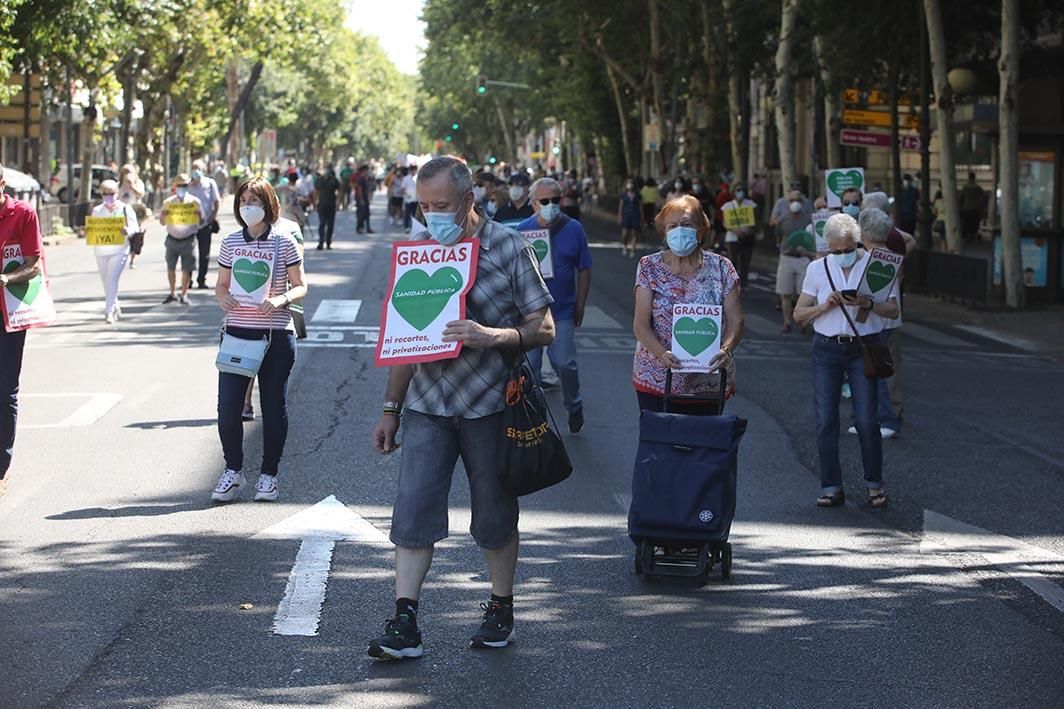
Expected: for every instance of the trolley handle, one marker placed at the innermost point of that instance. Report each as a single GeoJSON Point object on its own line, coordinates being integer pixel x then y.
{"type": "Point", "coordinates": [723, 388]}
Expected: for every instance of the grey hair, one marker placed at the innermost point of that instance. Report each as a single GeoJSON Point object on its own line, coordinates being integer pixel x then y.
{"type": "Point", "coordinates": [544, 182]}
{"type": "Point", "coordinates": [876, 200]}
{"type": "Point", "coordinates": [458, 173]}
{"type": "Point", "coordinates": [839, 226]}
{"type": "Point", "coordinates": [875, 225]}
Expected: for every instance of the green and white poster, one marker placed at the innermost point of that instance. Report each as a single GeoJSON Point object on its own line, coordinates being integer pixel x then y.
{"type": "Point", "coordinates": [540, 241]}
{"type": "Point", "coordinates": [26, 305]}
{"type": "Point", "coordinates": [880, 274]}
{"type": "Point", "coordinates": [820, 219]}
{"type": "Point", "coordinates": [839, 180]}
{"type": "Point", "coordinates": [696, 331]}
{"type": "Point", "coordinates": [252, 274]}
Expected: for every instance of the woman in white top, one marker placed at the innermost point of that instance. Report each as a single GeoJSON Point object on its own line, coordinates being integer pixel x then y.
{"type": "Point", "coordinates": [131, 191]}
{"type": "Point", "coordinates": [111, 260]}
{"type": "Point", "coordinates": [831, 284]}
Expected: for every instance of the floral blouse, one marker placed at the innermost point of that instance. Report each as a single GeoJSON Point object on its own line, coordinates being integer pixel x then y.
{"type": "Point", "coordinates": [709, 286]}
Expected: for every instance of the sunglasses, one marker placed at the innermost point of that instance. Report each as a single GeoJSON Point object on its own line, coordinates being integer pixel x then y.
{"type": "Point", "coordinates": [549, 200]}
{"type": "Point", "coordinates": [850, 204]}
{"type": "Point", "coordinates": [839, 252]}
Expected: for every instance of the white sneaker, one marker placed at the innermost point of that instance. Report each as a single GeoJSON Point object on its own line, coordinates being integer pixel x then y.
{"type": "Point", "coordinates": [852, 429]}
{"type": "Point", "coordinates": [228, 486]}
{"type": "Point", "coordinates": [109, 318]}
{"type": "Point", "coordinates": [886, 433]}
{"type": "Point", "coordinates": [266, 488]}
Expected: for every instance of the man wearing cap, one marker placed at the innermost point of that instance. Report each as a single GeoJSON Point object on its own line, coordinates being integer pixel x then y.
{"type": "Point", "coordinates": [205, 190]}
{"type": "Point", "coordinates": [18, 227]}
{"type": "Point", "coordinates": [519, 207]}
{"type": "Point", "coordinates": [569, 286]}
{"type": "Point", "coordinates": [180, 241]}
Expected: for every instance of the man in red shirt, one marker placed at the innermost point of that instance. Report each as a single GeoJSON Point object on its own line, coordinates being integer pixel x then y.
{"type": "Point", "coordinates": [19, 233]}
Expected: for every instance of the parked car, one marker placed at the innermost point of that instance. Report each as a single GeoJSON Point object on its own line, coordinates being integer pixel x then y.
{"type": "Point", "coordinates": [58, 186]}
{"type": "Point", "coordinates": [20, 185]}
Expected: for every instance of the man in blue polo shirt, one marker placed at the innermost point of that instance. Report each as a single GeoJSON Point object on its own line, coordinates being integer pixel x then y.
{"type": "Point", "coordinates": [569, 287]}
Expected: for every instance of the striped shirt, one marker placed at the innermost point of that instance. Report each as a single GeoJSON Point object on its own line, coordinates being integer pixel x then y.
{"type": "Point", "coordinates": [235, 245]}
{"type": "Point", "coordinates": [508, 288]}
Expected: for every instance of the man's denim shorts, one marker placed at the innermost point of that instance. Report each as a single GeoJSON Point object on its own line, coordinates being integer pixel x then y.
{"type": "Point", "coordinates": [430, 448]}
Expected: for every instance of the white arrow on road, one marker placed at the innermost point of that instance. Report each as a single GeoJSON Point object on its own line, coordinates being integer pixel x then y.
{"type": "Point", "coordinates": [1012, 556]}
{"type": "Point", "coordinates": [319, 528]}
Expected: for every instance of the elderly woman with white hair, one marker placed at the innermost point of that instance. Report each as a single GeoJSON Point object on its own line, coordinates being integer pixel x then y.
{"type": "Point", "coordinates": [830, 286]}
{"type": "Point", "coordinates": [111, 260]}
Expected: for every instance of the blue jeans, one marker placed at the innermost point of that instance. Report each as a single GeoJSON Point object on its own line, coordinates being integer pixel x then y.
{"type": "Point", "coordinates": [562, 355]}
{"type": "Point", "coordinates": [273, 395]}
{"type": "Point", "coordinates": [831, 362]}
{"type": "Point", "coordinates": [12, 345]}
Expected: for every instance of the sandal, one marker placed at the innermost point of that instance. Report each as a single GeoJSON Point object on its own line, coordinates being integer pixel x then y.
{"type": "Point", "coordinates": [834, 499]}
{"type": "Point", "coordinates": [877, 498]}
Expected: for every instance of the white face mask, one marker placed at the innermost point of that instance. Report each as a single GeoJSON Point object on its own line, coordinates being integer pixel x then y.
{"type": "Point", "coordinates": [516, 193]}
{"type": "Point", "coordinates": [478, 193]}
{"type": "Point", "coordinates": [795, 207]}
{"type": "Point", "coordinates": [181, 192]}
{"type": "Point", "coordinates": [252, 214]}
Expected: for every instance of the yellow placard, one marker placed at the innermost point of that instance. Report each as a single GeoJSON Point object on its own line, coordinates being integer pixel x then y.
{"type": "Point", "coordinates": [105, 231]}
{"type": "Point", "coordinates": [879, 118]}
{"type": "Point", "coordinates": [739, 218]}
{"type": "Point", "coordinates": [182, 213]}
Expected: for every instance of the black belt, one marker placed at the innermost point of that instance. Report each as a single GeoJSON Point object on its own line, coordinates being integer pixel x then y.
{"type": "Point", "coordinates": [839, 339]}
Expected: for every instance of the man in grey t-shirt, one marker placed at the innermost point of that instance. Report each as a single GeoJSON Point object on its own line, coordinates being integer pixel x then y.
{"type": "Point", "coordinates": [205, 189]}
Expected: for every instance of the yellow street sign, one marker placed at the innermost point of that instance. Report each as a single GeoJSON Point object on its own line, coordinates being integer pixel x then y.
{"type": "Point", "coordinates": [873, 97]}
{"type": "Point", "coordinates": [879, 118]}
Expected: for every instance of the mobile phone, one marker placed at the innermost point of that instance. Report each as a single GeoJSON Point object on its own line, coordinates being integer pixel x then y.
{"type": "Point", "coordinates": [849, 293]}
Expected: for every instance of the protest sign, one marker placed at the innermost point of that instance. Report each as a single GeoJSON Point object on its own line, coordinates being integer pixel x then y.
{"type": "Point", "coordinates": [26, 305]}
{"type": "Point", "coordinates": [696, 333]}
{"type": "Point", "coordinates": [880, 274]}
{"type": "Point", "coordinates": [800, 238]}
{"type": "Point", "coordinates": [841, 179]}
{"type": "Point", "coordinates": [819, 220]}
{"type": "Point", "coordinates": [738, 217]}
{"type": "Point", "coordinates": [252, 275]}
{"type": "Point", "coordinates": [540, 241]}
{"type": "Point", "coordinates": [427, 289]}
{"type": "Point", "coordinates": [182, 213]}
{"type": "Point", "coordinates": [105, 231]}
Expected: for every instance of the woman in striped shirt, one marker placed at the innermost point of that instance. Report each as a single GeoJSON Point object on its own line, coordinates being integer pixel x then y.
{"type": "Point", "coordinates": [255, 289]}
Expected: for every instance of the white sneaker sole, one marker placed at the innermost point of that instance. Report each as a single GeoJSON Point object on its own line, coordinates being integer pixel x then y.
{"type": "Point", "coordinates": [387, 653]}
{"type": "Point", "coordinates": [475, 643]}
{"type": "Point", "coordinates": [227, 496]}
{"type": "Point", "coordinates": [266, 496]}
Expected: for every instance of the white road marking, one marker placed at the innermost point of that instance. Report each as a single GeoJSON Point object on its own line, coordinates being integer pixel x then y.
{"type": "Point", "coordinates": [1012, 556]}
{"type": "Point", "coordinates": [1017, 342]}
{"type": "Point", "coordinates": [319, 528]}
{"type": "Point", "coordinates": [760, 325]}
{"type": "Point", "coordinates": [933, 336]}
{"type": "Point", "coordinates": [87, 414]}
{"type": "Point", "coordinates": [596, 317]}
{"type": "Point", "coordinates": [337, 311]}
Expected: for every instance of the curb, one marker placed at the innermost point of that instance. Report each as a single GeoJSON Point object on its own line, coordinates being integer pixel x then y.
{"type": "Point", "coordinates": [59, 240]}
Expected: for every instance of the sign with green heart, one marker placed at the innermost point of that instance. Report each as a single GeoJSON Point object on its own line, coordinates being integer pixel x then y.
{"type": "Point", "coordinates": [696, 335]}
{"type": "Point", "coordinates": [540, 241]}
{"type": "Point", "coordinates": [800, 238]}
{"type": "Point", "coordinates": [880, 274]}
{"type": "Point", "coordinates": [27, 304]}
{"type": "Point", "coordinates": [841, 179]}
{"type": "Point", "coordinates": [252, 273]}
{"type": "Point", "coordinates": [428, 289]}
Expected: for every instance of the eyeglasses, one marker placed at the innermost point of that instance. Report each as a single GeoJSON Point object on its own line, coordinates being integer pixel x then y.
{"type": "Point", "coordinates": [850, 204]}
{"type": "Point", "coordinates": [839, 252]}
{"type": "Point", "coordinates": [550, 200]}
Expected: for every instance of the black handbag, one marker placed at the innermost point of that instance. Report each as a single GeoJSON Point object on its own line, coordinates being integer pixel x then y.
{"type": "Point", "coordinates": [534, 456]}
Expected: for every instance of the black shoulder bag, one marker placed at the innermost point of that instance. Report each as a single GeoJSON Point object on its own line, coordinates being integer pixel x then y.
{"type": "Point", "coordinates": [878, 363]}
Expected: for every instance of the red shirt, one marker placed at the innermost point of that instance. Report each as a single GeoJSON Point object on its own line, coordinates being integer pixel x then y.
{"type": "Point", "coordinates": [18, 225]}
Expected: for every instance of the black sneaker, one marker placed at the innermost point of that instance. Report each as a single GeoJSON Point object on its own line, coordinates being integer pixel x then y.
{"type": "Point", "coordinates": [170, 299]}
{"type": "Point", "coordinates": [497, 630]}
{"type": "Point", "coordinates": [576, 421]}
{"type": "Point", "coordinates": [401, 639]}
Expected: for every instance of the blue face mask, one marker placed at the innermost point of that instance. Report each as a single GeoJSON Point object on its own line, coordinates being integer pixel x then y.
{"type": "Point", "coordinates": [852, 209]}
{"type": "Point", "coordinates": [196, 174]}
{"type": "Point", "coordinates": [845, 260]}
{"type": "Point", "coordinates": [682, 240]}
{"type": "Point", "coordinates": [549, 212]}
{"type": "Point", "coordinates": [442, 227]}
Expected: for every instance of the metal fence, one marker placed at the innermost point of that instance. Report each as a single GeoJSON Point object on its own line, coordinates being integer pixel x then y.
{"type": "Point", "coordinates": [55, 215]}
{"type": "Point", "coordinates": [965, 278]}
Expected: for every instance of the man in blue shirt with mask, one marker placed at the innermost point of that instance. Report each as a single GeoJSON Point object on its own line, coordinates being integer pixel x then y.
{"type": "Point", "coordinates": [569, 287]}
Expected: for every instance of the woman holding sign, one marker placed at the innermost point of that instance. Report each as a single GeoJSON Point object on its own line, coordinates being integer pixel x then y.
{"type": "Point", "coordinates": [260, 273]}
{"type": "Point", "coordinates": [688, 314]}
{"type": "Point", "coordinates": [113, 221]}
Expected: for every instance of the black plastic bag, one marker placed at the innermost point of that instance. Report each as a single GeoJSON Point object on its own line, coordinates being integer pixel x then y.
{"type": "Point", "coordinates": [534, 456]}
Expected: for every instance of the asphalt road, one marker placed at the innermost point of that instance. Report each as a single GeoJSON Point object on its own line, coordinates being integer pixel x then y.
{"type": "Point", "coordinates": [120, 585]}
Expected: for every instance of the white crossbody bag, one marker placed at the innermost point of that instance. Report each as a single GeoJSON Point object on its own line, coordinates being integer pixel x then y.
{"type": "Point", "coordinates": [244, 357]}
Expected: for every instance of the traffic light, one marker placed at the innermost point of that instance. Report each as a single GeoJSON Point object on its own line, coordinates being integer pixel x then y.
{"type": "Point", "coordinates": [448, 138]}
{"type": "Point", "coordinates": [454, 126]}
{"type": "Point", "coordinates": [556, 150]}
{"type": "Point", "coordinates": [492, 160]}
{"type": "Point", "coordinates": [482, 84]}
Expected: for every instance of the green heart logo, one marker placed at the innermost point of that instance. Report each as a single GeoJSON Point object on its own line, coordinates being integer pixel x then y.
{"type": "Point", "coordinates": [26, 292]}
{"type": "Point", "coordinates": [820, 228]}
{"type": "Point", "coordinates": [838, 182]}
{"type": "Point", "coordinates": [879, 276]}
{"type": "Point", "coordinates": [802, 238]}
{"type": "Point", "coordinates": [695, 336]}
{"type": "Point", "coordinates": [251, 275]}
{"type": "Point", "coordinates": [540, 247]}
{"type": "Point", "coordinates": [420, 298]}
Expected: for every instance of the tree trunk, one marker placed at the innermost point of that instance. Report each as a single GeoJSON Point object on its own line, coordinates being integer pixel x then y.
{"type": "Point", "coordinates": [88, 150]}
{"type": "Point", "coordinates": [656, 71]}
{"type": "Point", "coordinates": [708, 151]}
{"type": "Point", "coordinates": [944, 110]}
{"type": "Point", "coordinates": [831, 105]}
{"type": "Point", "coordinates": [1009, 146]}
{"type": "Point", "coordinates": [785, 128]}
{"type": "Point", "coordinates": [895, 140]}
{"type": "Point", "coordinates": [241, 104]}
{"type": "Point", "coordinates": [735, 108]}
{"type": "Point", "coordinates": [626, 147]}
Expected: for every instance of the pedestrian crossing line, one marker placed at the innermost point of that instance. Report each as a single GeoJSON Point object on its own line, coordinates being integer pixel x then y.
{"type": "Point", "coordinates": [337, 311]}
{"type": "Point", "coordinates": [595, 317]}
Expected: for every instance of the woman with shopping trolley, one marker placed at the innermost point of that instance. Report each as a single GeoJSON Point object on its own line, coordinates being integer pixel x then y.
{"type": "Point", "coordinates": [684, 273]}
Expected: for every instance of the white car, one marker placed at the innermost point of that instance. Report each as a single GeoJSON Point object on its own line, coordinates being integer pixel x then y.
{"type": "Point", "coordinates": [20, 185]}
{"type": "Point", "coordinates": [57, 187]}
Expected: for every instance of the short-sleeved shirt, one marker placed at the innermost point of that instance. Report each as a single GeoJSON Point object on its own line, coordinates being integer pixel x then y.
{"type": "Point", "coordinates": [409, 188]}
{"type": "Point", "coordinates": [786, 226]}
{"type": "Point", "coordinates": [206, 191]}
{"type": "Point", "coordinates": [121, 210]}
{"type": "Point", "coordinates": [709, 286]}
{"type": "Point", "coordinates": [508, 288]}
{"type": "Point", "coordinates": [731, 236]}
{"type": "Point", "coordinates": [183, 231]}
{"type": "Point", "coordinates": [287, 255]}
{"type": "Point", "coordinates": [570, 252]}
{"type": "Point", "coordinates": [630, 205]}
{"type": "Point", "coordinates": [326, 187]}
{"type": "Point", "coordinates": [19, 225]}
{"type": "Point", "coordinates": [508, 212]}
{"type": "Point", "coordinates": [649, 194]}
{"type": "Point", "coordinates": [833, 323]}
{"type": "Point", "coordinates": [782, 207]}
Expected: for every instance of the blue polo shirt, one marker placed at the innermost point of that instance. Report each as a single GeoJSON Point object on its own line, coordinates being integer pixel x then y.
{"type": "Point", "coordinates": [568, 245]}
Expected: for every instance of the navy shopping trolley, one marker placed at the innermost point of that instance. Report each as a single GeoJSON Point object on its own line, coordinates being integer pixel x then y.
{"type": "Point", "coordinates": [683, 490]}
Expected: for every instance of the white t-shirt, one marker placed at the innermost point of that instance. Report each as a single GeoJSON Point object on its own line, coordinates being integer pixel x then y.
{"type": "Point", "coordinates": [833, 323]}
{"type": "Point", "coordinates": [120, 209]}
{"type": "Point", "coordinates": [409, 188]}
{"type": "Point", "coordinates": [732, 237]}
